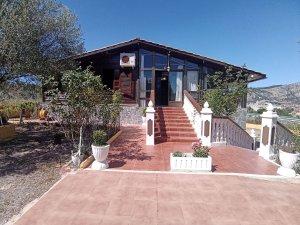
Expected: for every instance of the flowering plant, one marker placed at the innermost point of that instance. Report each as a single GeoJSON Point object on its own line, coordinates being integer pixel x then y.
{"type": "Point", "coordinates": [200, 150]}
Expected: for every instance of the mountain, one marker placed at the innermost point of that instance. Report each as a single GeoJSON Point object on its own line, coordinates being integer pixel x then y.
{"type": "Point", "coordinates": [279, 95]}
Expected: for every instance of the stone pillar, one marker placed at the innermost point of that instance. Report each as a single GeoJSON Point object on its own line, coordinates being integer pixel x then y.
{"type": "Point", "coordinates": [268, 129]}
{"type": "Point", "coordinates": [150, 113]}
{"type": "Point", "coordinates": [206, 116]}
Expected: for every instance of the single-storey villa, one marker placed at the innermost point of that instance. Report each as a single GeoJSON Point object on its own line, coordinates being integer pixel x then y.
{"type": "Point", "coordinates": [144, 70]}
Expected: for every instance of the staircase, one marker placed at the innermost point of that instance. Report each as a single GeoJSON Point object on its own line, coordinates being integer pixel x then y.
{"type": "Point", "coordinates": [172, 125]}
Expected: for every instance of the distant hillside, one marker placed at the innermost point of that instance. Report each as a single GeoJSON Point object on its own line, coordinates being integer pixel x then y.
{"type": "Point", "coordinates": [279, 95]}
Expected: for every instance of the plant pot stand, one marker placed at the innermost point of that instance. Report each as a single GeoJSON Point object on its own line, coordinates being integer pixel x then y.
{"type": "Point", "coordinates": [99, 165]}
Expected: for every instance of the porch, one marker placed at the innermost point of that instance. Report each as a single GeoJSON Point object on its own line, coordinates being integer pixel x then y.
{"type": "Point", "coordinates": [129, 152]}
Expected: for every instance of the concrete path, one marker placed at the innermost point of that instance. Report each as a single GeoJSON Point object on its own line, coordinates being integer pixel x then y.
{"type": "Point", "coordinates": [113, 197]}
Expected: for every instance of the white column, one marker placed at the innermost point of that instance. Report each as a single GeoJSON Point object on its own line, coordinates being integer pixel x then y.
{"type": "Point", "coordinates": [268, 129]}
{"type": "Point", "coordinates": [150, 113]}
{"type": "Point", "coordinates": [206, 116]}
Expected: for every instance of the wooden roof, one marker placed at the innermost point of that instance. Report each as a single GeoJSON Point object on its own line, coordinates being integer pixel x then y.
{"type": "Point", "coordinates": [254, 75]}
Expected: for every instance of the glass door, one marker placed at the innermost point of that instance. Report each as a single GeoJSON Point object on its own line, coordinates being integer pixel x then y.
{"type": "Point", "coordinates": [175, 86]}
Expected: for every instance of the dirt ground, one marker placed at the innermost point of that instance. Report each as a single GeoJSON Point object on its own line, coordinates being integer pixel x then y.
{"type": "Point", "coordinates": [29, 165]}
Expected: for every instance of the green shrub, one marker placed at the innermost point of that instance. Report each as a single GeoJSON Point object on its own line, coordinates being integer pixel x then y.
{"type": "Point", "coordinates": [178, 154]}
{"type": "Point", "coordinates": [144, 111]}
{"type": "Point", "coordinates": [200, 150]}
{"type": "Point", "coordinates": [99, 138]}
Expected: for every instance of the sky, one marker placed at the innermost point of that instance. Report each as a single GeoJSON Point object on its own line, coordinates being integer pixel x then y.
{"type": "Point", "coordinates": [264, 35]}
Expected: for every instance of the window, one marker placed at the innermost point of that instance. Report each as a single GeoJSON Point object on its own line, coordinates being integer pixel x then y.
{"type": "Point", "coordinates": [176, 64]}
{"type": "Point", "coordinates": [146, 59]}
{"type": "Point", "coordinates": [192, 80]}
{"type": "Point", "coordinates": [175, 86]}
{"type": "Point", "coordinates": [145, 83]}
{"type": "Point", "coordinates": [161, 61]}
{"type": "Point", "coordinates": [191, 66]}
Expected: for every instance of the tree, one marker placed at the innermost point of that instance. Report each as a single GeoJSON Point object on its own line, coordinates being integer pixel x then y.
{"type": "Point", "coordinates": [37, 38]}
{"type": "Point", "coordinates": [227, 88]}
{"type": "Point", "coordinates": [84, 105]}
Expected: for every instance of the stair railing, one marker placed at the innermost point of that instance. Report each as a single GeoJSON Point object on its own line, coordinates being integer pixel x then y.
{"type": "Point", "coordinates": [193, 111]}
{"type": "Point", "coordinates": [223, 131]}
{"type": "Point", "coordinates": [227, 132]}
{"type": "Point", "coordinates": [283, 138]}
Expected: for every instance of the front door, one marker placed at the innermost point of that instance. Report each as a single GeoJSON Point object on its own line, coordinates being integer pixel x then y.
{"type": "Point", "coordinates": [161, 88]}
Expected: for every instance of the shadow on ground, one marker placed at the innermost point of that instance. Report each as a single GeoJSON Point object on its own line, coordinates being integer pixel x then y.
{"type": "Point", "coordinates": [33, 146]}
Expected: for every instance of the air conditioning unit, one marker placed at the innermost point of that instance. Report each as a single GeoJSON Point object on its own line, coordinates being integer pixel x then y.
{"type": "Point", "coordinates": [127, 59]}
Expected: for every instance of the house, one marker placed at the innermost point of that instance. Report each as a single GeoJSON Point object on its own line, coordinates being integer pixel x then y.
{"type": "Point", "coordinates": [143, 70]}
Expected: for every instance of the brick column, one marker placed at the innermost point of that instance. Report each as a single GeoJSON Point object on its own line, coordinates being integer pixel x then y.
{"type": "Point", "coordinates": [150, 113]}
{"type": "Point", "coordinates": [206, 117]}
{"type": "Point", "coordinates": [268, 129]}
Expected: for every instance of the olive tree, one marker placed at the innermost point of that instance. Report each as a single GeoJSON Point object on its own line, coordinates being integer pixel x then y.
{"type": "Point", "coordinates": [84, 104]}
{"type": "Point", "coordinates": [226, 89]}
{"type": "Point", "coordinates": [37, 39]}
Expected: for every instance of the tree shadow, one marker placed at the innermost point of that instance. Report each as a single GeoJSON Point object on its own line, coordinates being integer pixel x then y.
{"type": "Point", "coordinates": [32, 147]}
{"type": "Point", "coordinates": [128, 147]}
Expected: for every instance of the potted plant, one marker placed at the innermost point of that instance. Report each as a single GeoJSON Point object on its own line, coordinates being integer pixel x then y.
{"type": "Point", "coordinates": [199, 160]}
{"type": "Point", "coordinates": [144, 115]}
{"type": "Point", "coordinates": [289, 156]}
{"type": "Point", "coordinates": [100, 150]}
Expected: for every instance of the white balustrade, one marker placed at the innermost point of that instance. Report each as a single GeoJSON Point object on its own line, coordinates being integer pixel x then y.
{"type": "Point", "coordinates": [226, 132]}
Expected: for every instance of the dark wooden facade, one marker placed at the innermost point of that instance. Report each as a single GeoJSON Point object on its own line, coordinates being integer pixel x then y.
{"type": "Point", "coordinates": [161, 73]}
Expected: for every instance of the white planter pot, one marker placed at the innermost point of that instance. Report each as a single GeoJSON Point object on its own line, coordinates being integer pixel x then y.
{"type": "Point", "coordinates": [144, 120]}
{"type": "Point", "coordinates": [288, 160]}
{"type": "Point", "coordinates": [100, 154]}
{"type": "Point", "coordinates": [190, 163]}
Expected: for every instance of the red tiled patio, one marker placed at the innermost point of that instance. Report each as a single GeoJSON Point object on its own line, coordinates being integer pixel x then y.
{"type": "Point", "coordinates": [114, 197]}
{"type": "Point", "coordinates": [129, 152]}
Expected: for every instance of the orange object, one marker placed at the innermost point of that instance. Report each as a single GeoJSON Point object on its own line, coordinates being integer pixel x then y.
{"type": "Point", "coordinates": [43, 114]}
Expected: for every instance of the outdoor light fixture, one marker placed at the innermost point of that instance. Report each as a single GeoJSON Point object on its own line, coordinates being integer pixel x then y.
{"type": "Point", "coordinates": [168, 66]}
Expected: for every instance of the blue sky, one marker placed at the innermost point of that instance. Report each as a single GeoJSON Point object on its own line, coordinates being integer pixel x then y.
{"type": "Point", "coordinates": [264, 35]}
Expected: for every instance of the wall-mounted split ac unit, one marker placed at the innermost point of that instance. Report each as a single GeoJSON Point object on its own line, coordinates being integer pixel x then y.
{"type": "Point", "coordinates": [127, 59]}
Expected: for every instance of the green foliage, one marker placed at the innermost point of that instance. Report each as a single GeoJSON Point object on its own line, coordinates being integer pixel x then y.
{"type": "Point", "coordinates": [178, 154]}
{"type": "Point", "coordinates": [37, 38]}
{"type": "Point", "coordinates": [227, 89]}
{"type": "Point", "coordinates": [144, 111]}
{"type": "Point", "coordinates": [284, 111]}
{"type": "Point", "coordinates": [85, 104]}
{"type": "Point", "coordinates": [12, 109]}
{"type": "Point", "coordinates": [250, 110]}
{"type": "Point", "coordinates": [99, 138]}
{"type": "Point", "coordinates": [261, 110]}
{"type": "Point", "coordinates": [200, 150]}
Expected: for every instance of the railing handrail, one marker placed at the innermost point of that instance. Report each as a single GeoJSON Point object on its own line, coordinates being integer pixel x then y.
{"type": "Point", "coordinates": [285, 128]}
{"type": "Point", "coordinates": [232, 121]}
{"type": "Point", "coordinates": [195, 104]}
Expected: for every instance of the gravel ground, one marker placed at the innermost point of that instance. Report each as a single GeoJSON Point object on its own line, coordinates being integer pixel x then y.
{"type": "Point", "coordinates": [29, 165]}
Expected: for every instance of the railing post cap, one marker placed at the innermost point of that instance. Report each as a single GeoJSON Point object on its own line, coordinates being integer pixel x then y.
{"type": "Point", "coordinates": [150, 104]}
{"type": "Point", "coordinates": [270, 107]}
{"type": "Point", "coordinates": [206, 109]}
{"type": "Point", "coordinates": [269, 113]}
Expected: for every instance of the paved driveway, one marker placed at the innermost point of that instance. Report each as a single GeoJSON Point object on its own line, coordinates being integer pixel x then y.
{"type": "Point", "coordinates": [129, 152]}
{"type": "Point", "coordinates": [113, 197]}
